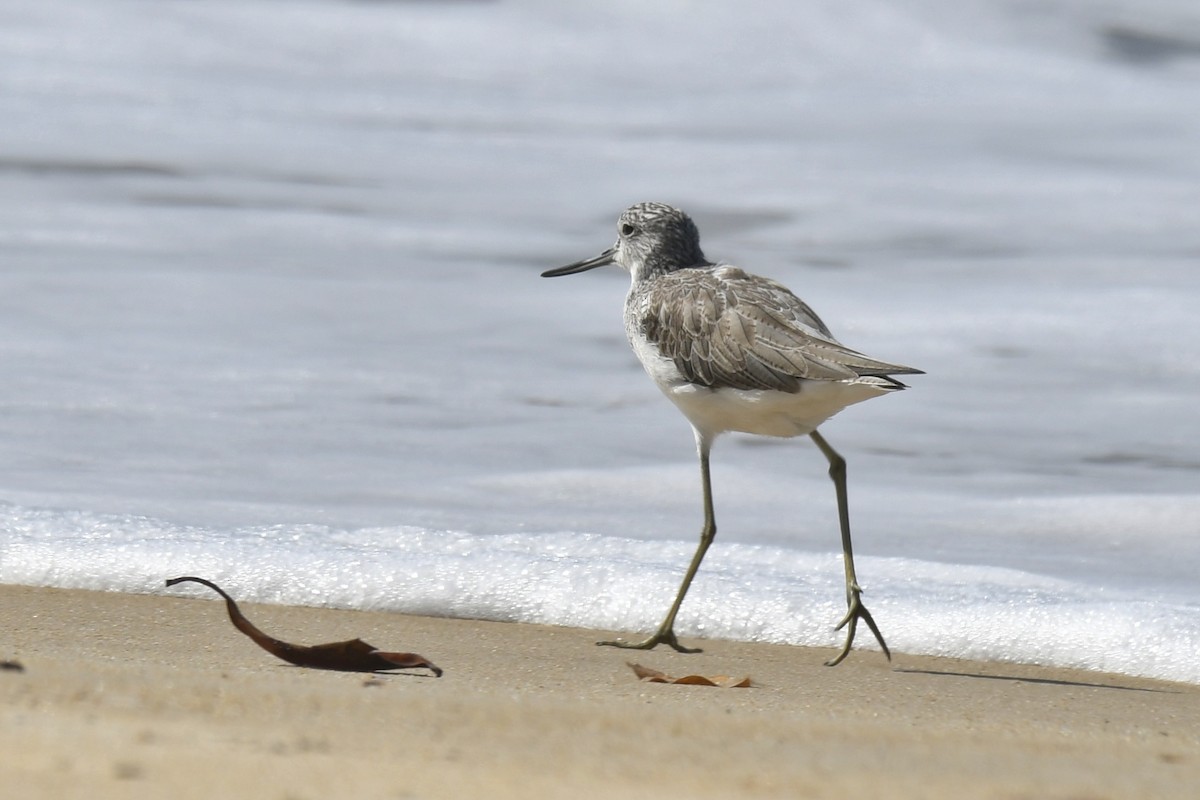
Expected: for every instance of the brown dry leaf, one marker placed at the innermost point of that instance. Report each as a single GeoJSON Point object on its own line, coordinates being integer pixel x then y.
{"type": "Point", "coordinates": [723, 681]}
{"type": "Point", "coordinates": [351, 656]}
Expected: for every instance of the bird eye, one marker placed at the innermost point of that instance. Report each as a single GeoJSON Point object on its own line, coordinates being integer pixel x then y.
{"type": "Point", "coordinates": [627, 229]}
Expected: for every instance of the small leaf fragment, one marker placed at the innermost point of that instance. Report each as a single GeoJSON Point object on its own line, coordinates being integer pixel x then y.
{"type": "Point", "coordinates": [650, 675]}
{"type": "Point", "coordinates": [354, 655]}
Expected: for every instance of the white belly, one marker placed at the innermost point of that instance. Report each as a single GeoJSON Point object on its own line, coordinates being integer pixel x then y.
{"type": "Point", "coordinates": [767, 412]}
{"type": "Point", "coordinates": [761, 411]}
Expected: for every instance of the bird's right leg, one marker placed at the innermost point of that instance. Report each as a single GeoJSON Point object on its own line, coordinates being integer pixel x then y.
{"type": "Point", "coordinates": [666, 631]}
{"type": "Point", "coordinates": [855, 609]}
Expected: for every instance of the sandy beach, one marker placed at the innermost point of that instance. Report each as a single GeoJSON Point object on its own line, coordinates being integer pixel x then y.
{"type": "Point", "coordinates": [137, 696]}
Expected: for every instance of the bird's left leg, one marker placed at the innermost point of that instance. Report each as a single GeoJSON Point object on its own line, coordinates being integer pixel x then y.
{"type": "Point", "coordinates": [855, 608]}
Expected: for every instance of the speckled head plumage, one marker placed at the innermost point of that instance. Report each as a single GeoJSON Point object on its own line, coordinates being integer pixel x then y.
{"type": "Point", "coordinates": [652, 239]}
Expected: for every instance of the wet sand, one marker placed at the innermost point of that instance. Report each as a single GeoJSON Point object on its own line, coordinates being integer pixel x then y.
{"type": "Point", "coordinates": [125, 696]}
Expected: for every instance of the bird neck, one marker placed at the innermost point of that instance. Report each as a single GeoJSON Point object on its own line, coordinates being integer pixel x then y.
{"type": "Point", "coordinates": [655, 266]}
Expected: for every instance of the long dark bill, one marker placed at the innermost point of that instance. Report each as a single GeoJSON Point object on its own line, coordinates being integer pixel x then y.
{"type": "Point", "coordinates": [582, 266]}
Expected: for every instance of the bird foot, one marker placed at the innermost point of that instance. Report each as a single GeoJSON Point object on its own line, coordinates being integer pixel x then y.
{"type": "Point", "coordinates": [660, 636]}
{"type": "Point", "coordinates": [854, 613]}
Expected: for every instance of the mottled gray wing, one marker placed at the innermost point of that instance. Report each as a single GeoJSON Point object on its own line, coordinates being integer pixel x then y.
{"type": "Point", "coordinates": [723, 327]}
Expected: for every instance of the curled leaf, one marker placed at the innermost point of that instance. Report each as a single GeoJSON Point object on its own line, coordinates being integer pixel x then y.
{"type": "Point", "coordinates": [354, 655]}
{"type": "Point", "coordinates": [723, 681]}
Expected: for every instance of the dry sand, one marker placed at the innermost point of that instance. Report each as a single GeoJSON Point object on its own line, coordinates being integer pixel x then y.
{"type": "Point", "coordinates": [131, 696]}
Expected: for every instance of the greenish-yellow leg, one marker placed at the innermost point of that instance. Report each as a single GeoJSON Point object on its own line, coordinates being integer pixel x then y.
{"type": "Point", "coordinates": [666, 631]}
{"type": "Point", "coordinates": [855, 610]}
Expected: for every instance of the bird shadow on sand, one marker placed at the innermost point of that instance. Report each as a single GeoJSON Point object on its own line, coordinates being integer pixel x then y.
{"type": "Point", "coordinates": [1025, 679]}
